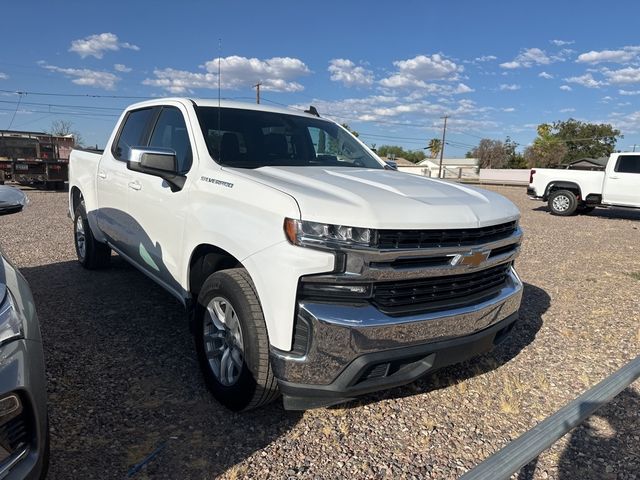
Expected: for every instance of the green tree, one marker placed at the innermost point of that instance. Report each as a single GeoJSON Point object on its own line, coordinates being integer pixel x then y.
{"type": "Point", "coordinates": [434, 147]}
{"type": "Point", "coordinates": [414, 156]}
{"type": "Point", "coordinates": [546, 150]}
{"type": "Point", "coordinates": [514, 158]}
{"type": "Point", "coordinates": [584, 139]}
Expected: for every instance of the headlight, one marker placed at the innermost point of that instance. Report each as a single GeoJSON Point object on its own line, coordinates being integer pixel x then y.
{"type": "Point", "coordinates": [10, 322]}
{"type": "Point", "coordinates": [303, 232]}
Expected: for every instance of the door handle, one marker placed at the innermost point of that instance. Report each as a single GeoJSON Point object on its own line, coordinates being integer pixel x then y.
{"type": "Point", "coordinates": [135, 185]}
{"type": "Point", "coordinates": [102, 174]}
{"type": "Point", "coordinates": [614, 178]}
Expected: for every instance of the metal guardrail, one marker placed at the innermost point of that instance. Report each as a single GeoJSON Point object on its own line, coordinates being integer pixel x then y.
{"type": "Point", "coordinates": [527, 447]}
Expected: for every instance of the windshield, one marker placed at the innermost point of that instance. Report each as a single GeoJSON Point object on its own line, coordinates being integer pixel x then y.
{"type": "Point", "coordinates": [253, 139]}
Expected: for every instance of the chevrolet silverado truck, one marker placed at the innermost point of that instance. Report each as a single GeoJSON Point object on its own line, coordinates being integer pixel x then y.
{"type": "Point", "coordinates": [580, 191]}
{"type": "Point", "coordinates": [307, 267]}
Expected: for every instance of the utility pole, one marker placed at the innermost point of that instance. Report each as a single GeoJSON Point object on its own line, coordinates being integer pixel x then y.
{"type": "Point", "coordinates": [444, 133]}
{"type": "Point", "coordinates": [257, 87]}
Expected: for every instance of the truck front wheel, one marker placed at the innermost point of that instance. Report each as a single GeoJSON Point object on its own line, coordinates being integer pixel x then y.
{"type": "Point", "coordinates": [232, 342]}
{"type": "Point", "coordinates": [563, 202]}
{"type": "Point", "coordinates": [91, 253]}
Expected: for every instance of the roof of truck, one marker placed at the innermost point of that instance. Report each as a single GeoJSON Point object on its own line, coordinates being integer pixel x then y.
{"type": "Point", "coordinates": [210, 102]}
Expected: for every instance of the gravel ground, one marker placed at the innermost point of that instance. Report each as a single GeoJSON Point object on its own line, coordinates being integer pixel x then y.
{"type": "Point", "coordinates": [123, 380]}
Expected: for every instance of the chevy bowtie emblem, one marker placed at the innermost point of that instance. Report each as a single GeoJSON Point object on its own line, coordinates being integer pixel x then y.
{"type": "Point", "coordinates": [471, 259]}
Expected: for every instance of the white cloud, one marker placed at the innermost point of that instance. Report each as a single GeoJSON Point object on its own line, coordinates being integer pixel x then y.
{"type": "Point", "coordinates": [3, 76]}
{"type": "Point", "coordinates": [119, 67]}
{"type": "Point", "coordinates": [510, 65]}
{"type": "Point", "coordinates": [585, 80]}
{"type": "Point", "coordinates": [510, 87]}
{"type": "Point", "coordinates": [623, 55]}
{"type": "Point", "coordinates": [624, 75]}
{"type": "Point", "coordinates": [566, 88]}
{"type": "Point", "coordinates": [275, 74]}
{"type": "Point", "coordinates": [606, 99]}
{"type": "Point", "coordinates": [97, 45]}
{"type": "Point", "coordinates": [486, 58]}
{"type": "Point", "coordinates": [545, 75]}
{"type": "Point", "coordinates": [509, 109]}
{"type": "Point", "coordinates": [562, 43]}
{"type": "Point", "coordinates": [629, 92]}
{"type": "Point", "coordinates": [567, 110]}
{"type": "Point", "coordinates": [403, 111]}
{"type": "Point", "coordinates": [181, 81]}
{"type": "Point", "coordinates": [528, 58]}
{"type": "Point", "coordinates": [345, 71]}
{"type": "Point", "coordinates": [417, 71]}
{"type": "Point", "coordinates": [462, 88]}
{"type": "Point", "coordinates": [627, 122]}
{"type": "Point", "coordinates": [86, 77]}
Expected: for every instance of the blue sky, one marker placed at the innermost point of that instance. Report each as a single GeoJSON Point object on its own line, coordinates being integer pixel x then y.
{"type": "Point", "coordinates": [390, 70]}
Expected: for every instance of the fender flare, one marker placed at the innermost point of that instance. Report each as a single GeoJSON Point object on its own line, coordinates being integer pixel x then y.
{"type": "Point", "coordinates": [561, 184]}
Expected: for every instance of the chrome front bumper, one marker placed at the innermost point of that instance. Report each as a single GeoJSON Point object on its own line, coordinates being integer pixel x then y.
{"type": "Point", "coordinates": [339, 334]}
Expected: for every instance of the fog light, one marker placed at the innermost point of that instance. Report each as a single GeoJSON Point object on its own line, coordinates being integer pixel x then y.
{"type": "Point", "coordinates": [333, 290]}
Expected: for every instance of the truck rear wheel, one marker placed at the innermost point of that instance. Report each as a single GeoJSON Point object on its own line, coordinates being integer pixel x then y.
{"type": "Point", "coordinates": [232, 342]}
{"type": "Point", "coordinates": [563, 203]}
{"type": "Point", "coordinates": [91, 253]}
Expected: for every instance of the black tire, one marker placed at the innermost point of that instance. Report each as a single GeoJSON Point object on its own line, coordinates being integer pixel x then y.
{"type": "Point", "coordinates": [563, 203]}
{"type": "Point", "coordinates": [95, 254]}
{"type": "Point", "coordinates": [585, 209]}
{"type": "Point", "coordinates": [255, 385]}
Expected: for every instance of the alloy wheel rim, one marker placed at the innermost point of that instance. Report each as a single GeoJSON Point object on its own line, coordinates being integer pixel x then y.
{"type": "Point", "coordinates": [223, 342]}
{"type": "Point", "coordinates": [561, 203]}
{"type": "Point", "coordinates": [80, 238]}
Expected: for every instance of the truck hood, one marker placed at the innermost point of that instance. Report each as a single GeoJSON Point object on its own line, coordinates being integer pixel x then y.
{"type": "Point", "coordinates": [385, 199]}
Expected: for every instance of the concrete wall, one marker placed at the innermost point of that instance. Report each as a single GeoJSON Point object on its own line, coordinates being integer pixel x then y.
{"type": "Point", "coordinates": [465, 173]}
{"type": "Point", "coordinates": [507, 175]}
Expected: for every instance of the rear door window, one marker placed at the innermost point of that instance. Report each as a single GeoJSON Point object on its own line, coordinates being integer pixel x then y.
{"type": "Point", "coordinates": [134, 132]}
{"type": "Point", "coordinates": [628, 164]}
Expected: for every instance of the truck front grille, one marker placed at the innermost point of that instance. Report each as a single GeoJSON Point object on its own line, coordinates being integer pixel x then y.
{"type": "Point", "coordinates": [388, 239]}
{"type": "Point", "coordinates": [439, 293]}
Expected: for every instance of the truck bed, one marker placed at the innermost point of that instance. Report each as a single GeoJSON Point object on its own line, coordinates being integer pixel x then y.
{"type": "Point", "coordinates": [590, 182]}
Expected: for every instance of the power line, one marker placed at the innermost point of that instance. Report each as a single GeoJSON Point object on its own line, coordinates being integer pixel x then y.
{"type": "Point", "coordinates": [90, 107]}
{"type": "Point", "coordinates": [71, 114]}
{"type": "Point", "coordinates": [444, 133]}
{"type": "Point", "coordinates": [87, 95]}
{"type": "Point", "coordinates": [14, 112]}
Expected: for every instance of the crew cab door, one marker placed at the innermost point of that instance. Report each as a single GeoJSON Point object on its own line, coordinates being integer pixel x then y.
{"type": "Point", "coordinates": [622, 181]}
{"type": "Point", "coordinates": [114, 179]}
{"type": "Point", "coordinates": [158, 211]}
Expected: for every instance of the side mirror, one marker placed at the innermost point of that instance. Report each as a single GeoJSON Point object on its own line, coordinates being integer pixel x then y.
{"type": "Point", "coordinates": [159, 162]}
{"type": "Point", "coordinates": [391, 165]}
{"type": "Point", "coordinates": [12, 200]}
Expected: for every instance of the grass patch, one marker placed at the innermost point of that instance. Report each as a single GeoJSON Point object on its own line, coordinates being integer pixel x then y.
{"type": "Point", "coordinates": [635, 275]}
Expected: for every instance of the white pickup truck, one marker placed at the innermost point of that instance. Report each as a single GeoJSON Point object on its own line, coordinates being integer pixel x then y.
{"type": "Point", "coordinates": [306, 265]}
{"type": "Point", "coordinates": [570, 191]}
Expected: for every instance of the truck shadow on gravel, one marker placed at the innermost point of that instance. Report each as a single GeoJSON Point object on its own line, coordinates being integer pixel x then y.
{"type": "Point", "coordinates": [535, 302]}
{"type": "Point", "coordinates": [124, 384]}
{"type": "Point", "coordinates": [611, 213]}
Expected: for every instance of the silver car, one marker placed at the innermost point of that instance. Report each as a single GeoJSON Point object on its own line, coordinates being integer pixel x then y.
{"type": "Point", "coordinates": [24, 439]}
